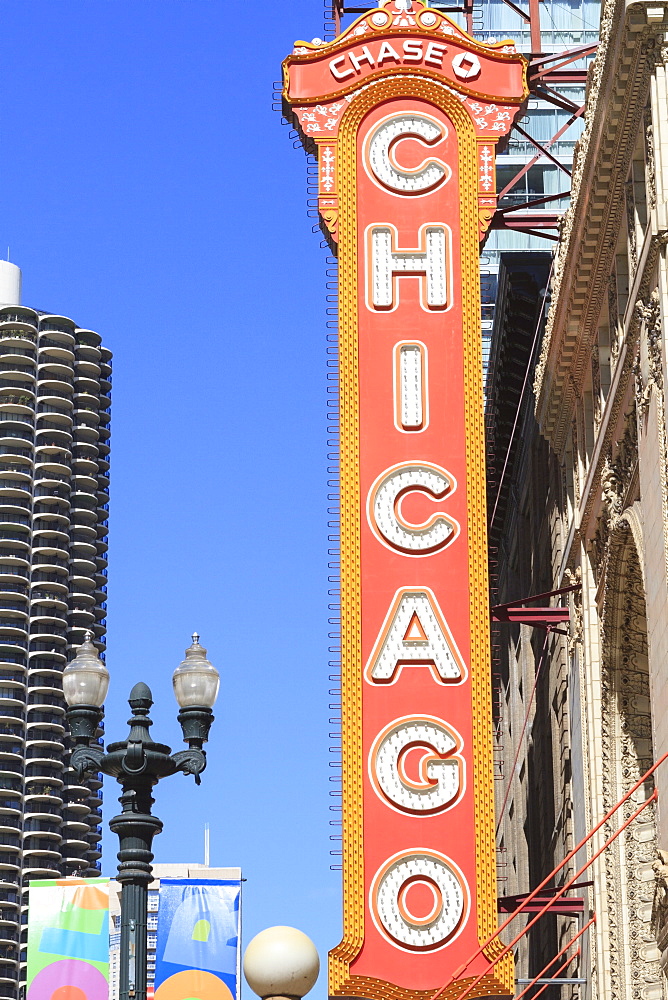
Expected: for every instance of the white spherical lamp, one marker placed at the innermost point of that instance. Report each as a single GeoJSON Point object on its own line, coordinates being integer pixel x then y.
{"type": "Point", "coordinates": [281, 962]}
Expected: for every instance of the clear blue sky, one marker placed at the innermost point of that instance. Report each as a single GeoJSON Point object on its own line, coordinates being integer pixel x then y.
{"type": "Point", "coordinates": [149, 192]}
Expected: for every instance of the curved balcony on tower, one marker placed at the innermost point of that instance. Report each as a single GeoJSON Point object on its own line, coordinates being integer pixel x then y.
{"type": "Point", "coordinates": [17, 335]}
{"type": "Point", "coordinates": [9, 930]}
{"type": "Point", "coordinates": [43, 794]}
{"type": "Point", "coordinates": [45, 685]}
{"type": "Point", "coordinates": [84, 458]}
{"type": "Point", "coordinates": [55, 379]}
{"type": "Point", "coordinates": [41, 860]}
{"type": "Point", "coordinates": [55, 348]}
{"type": "Point", "coordinates": [44, 681]}
{"type": "Point", "coordinates": [49, 608]}
{"type": "Point", "coordinates": [51, 455]}
{"type": "Point", "coordinates": [59, 328]}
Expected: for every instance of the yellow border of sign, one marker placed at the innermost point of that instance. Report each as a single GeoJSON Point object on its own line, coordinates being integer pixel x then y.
{"type": "Point", "coordinates": [341, 982]}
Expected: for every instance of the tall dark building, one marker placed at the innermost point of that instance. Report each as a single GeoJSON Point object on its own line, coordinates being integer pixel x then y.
{"type": "Point", "coordinates": [55, 385]}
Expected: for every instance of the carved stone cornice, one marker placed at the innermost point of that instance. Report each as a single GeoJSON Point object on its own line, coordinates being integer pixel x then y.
{"type": "Point", "coordinates": [617, 88]}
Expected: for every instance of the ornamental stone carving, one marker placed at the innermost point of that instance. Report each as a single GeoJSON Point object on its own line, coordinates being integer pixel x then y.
{"type": "Point", "coordinates": [649, 312]}
{"type": "Point", "coordinates": [660, 907]}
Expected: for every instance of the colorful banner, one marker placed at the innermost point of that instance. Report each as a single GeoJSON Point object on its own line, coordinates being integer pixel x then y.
{"type": "Point", "coordinates": [198, 940]}
{"type": "Point", "coordinates": [68, 939]}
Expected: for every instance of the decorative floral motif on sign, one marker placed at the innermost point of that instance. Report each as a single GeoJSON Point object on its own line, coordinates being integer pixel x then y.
{"type": "Point", "coordinates": [328, 160]}
{"type": "Point", "coordinates": [490, 116]}
{"type": "Point", "coordinates": [321, 118]}
{"type": "Point", "coordinates": [486, 168]}
{"type": "Point", "coordinates": [403, 10]}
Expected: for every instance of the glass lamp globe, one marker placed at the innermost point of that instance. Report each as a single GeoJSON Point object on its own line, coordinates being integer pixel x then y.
{"type": "Point", "coordinates": [281, 962]}
{"type": "Point", "coordinates": [85, 678]}
{"type": "Point", "coordinates": [196, 680]}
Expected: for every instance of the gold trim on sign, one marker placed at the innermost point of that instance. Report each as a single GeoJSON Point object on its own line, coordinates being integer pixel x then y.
{"type": "Point", "coordinates": [340, 958]}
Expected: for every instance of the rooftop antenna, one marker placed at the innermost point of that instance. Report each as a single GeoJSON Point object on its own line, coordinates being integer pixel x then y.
{"type": "Point", "coordinates": [7, 253]}
{"type": "Point", "coordinates": [207, 851]}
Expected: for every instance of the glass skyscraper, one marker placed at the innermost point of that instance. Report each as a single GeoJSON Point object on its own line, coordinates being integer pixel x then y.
{"type": "Point", "coordinates": [565, 24]}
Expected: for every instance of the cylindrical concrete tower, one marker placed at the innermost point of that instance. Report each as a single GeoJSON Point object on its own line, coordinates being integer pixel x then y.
{"type": "Point", "coordinates": [55, 385]}
{"type": "Point", "coordinates": [10, 284]}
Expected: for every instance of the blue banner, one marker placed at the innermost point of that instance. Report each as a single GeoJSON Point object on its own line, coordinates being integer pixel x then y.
{"type": "Point", "coordinates": [197, 953]}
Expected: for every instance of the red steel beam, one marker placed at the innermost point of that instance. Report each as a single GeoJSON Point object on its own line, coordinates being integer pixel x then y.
{"type": "Point", "coordinates": [557, 135]}
{"type": "Point", "coordinates": [543, 148]}
{"type": "Point", "coordinates": [565, 908]}
{"type": "Point", "coordinates": [531, 616]}
{"type": "Point", "coordinates": [567, 57]}
{"type": "Point", "coordinates": [532, 204]}
{"type": "Point", "coordinates": [534, 26]}
{"type": "Point", "coordinates": [538, 597]}
{"type": "Point", "coordinates": [531, 224]}
{"type": "Point", "coordinates": [568, 885]}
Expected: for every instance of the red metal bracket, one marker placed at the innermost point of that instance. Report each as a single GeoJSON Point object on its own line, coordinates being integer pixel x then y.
{"type": "Point", "coordinates": [542, 617]}
{"type": "Point", "coordinates": [565, 906]}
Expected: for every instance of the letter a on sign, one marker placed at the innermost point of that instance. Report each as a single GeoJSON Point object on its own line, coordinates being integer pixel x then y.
{"type": "Point", "coordinates": [415, 633]}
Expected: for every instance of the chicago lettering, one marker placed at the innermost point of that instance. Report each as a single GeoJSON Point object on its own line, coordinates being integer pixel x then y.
{"type": "Point", "coordinates": [415, 633]}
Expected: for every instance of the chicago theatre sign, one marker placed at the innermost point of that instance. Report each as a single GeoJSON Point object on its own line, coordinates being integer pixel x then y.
{"type": "Point", "coordinates": [404, 110]}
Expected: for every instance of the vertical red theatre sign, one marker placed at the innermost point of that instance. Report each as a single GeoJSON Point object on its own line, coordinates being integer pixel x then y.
{"type": "Point", "coordinates": [405, 110]}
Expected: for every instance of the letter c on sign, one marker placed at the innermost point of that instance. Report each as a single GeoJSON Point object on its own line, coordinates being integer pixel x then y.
{"type": "Point", "coordinates": [380, 154]}
{"type": "Point", "coordinates": [419, 928]}
{"type": "Point", "coordinates": [384, 509]}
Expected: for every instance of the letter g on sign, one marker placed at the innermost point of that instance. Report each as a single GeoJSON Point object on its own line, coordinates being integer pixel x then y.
{"type": "Point", "coordinates": [438, 782]}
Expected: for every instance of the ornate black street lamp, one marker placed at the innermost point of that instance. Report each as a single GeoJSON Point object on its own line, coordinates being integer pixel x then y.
{"type": "Point", "coordinates": [138, 764]}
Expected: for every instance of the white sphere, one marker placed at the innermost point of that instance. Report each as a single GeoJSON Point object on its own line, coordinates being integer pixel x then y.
{"type": "Point", "coordinates": [281, 962]}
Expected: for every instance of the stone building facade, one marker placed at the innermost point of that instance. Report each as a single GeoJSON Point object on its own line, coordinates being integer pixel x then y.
{"type": "Point", "coordinates": [584, 503]}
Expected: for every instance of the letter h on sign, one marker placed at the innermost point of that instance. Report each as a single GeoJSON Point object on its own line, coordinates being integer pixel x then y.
{"type": "Point", "coordinates": [430, 261]}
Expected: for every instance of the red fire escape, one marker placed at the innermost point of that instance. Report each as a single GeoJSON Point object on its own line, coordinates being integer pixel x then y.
{"type": "Point", "coordinates": [547, 71]}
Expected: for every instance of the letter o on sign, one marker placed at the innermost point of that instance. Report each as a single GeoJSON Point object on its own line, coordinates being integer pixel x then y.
{"type": "Point", "coordinates": [444, 900]}
{"type": "Point", "coordinates": [466, 66]}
